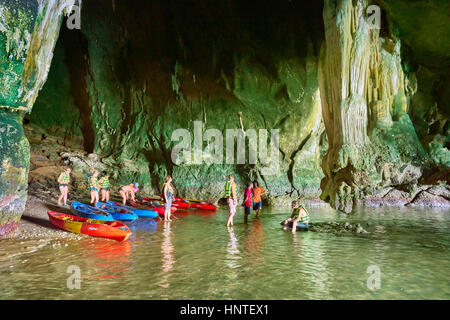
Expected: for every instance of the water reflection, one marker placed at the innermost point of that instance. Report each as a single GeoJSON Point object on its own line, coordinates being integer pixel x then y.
{"type": "Point", "coordinates": [111, 259]}
{"type": "Point", "coordinates": [233, 251]}
{"type": "Point", "coordinates": [168, 259]}
{"type": "Point", "coordinates": [255, 244]}
{"type": "Point", "coordinates": [144, 225]}
{"type": "Point", "coordinates": [258, 261]}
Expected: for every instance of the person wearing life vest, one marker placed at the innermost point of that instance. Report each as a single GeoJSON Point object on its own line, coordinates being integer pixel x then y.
{"type": "Point", "coordinates": [63, 181]}
{"type": "Point", "coordinates": [299, 216]}
{"type": "Point", "coordinates": [231, 195]}
{"type": "Point", "coordinates": [104, 185]}
{"type": "Point", "coordinates": [94, 188]}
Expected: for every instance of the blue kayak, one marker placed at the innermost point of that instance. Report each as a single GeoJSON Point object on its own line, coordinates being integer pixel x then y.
{"type": "Point", "coordinates": [141, 213]}
{"type": "Point", "coordinates": [90, 212]}
{"type": "Point", "coordinates": [118, 213]}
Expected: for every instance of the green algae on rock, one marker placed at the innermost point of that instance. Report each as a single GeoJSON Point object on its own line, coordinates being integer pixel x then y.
{"type": "Point", "coordinates": [28, 34]}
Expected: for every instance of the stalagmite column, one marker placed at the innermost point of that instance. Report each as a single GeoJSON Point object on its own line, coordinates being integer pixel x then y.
{"type": "Point", "coordinates": [28, 34]}
{"type": "Point", "coordinates": [362, 89]}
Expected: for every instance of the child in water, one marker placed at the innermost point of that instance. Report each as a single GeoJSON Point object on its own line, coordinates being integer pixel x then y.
{"type": "Point", "coordinates": [63, 181]}
{"type": "Point", "coordinates": [247, 201]}
{"type": "Point", "coordinates": [302, 217]}
{"type": "Point", "coordinates": [104, 185]}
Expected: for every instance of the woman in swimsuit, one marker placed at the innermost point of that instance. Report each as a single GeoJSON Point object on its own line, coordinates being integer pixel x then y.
{"type": "Point", "coordinates": [63, 181]}
{"type": "Point", "coordinates": [168, 197]}
{"type": "Point", "coordinates": [94, 188]}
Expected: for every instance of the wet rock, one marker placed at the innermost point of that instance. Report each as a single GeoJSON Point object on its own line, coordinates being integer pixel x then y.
{"type": "Point", "coordinates": [426, 199]}
{"type": "Point", "coordinates": [338, 228]}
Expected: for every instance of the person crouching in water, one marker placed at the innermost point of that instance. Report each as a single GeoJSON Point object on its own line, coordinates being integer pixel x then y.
{"type": "Point", "coordinates": [167, 197]}
{"type": "Point", "coordinates": [127, 192]}
{"type": "Point", "coordinates": [94, 188]}
{"type": "Point", "coordinates": [231, 195]}
{"type": "Point", "coordinates": [64, 180]}
{"type": "Point", "coordinates": [104, 185]}
{"type": "Point", "coordinates": [299, 216]}
{"type": "Point", "coordinates": [247, 201]}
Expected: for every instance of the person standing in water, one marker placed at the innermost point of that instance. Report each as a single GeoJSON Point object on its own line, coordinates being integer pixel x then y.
{"type": "Point", "coordinates": [231, 195]}
{"type": "Point", "coordinates": [167, 197]}
{"type": "Point", "coordinates": [63, 181]}
{"type": "Point", "coordinates": [257, 193]}
{"type": "Point", "coordinates": [104, 185]}
{"type": "Point", "coordinates": [94, 188]}
{"type": "Point", "coordinates": [128, 192]}
{"type": "Point", "coordinates": [299, 216]}
{"type": "Point", "coordinates": [247, 201]}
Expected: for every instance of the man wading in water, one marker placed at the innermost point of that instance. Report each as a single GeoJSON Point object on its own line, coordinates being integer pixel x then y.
{"type": "Point", "coordinates": [231, 195]}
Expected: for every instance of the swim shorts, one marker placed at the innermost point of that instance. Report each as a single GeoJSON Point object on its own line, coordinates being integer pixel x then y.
{"type": "Point", "coordinates": [257, 205]}
{"type": "Point", "coordinates": [231, 206]}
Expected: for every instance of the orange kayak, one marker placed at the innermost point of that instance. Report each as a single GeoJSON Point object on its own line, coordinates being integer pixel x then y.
{"type": "Point", "coordinates": [114, 230]}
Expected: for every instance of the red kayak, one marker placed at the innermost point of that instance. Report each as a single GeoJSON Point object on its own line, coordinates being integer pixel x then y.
{"type": "Point", "coordinates": [179, 204]}
{"type": "Point", "coordinates": [146, 206]}
{"type": "Point", "coordinates": [198, 204]}
{"type": "Point", "coordinates": [114, 230]}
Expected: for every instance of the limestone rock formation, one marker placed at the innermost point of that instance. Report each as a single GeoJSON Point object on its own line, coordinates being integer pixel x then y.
{"type": "Point", "coordinates": [362, 112]}
{"type": "Point", "coordinates": [372, 141]}
{"type": "Point", "coordinates": [28, 33]}
{"type": "Point", "coordinates": [126, 81]}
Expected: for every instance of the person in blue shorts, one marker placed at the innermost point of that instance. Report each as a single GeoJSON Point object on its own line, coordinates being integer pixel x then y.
{"type": "Point", "coordinates": [257, 193]}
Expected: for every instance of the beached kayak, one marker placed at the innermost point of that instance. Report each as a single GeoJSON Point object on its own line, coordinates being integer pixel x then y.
{"type": "Point", "coordinates": [198, 204]}
{"type": "Point", "coordinates": [114, 230]}
{"type": "Point", "coordinates": [90, 212]}
{"type": "Point", "coordinates": [118, 213]}
{"type": "Point", "coordinates": [179, 204]}
{"type": "Point", "coordinates": [145, 205]}
{"type": "Point", "coordinates": [141, 213]}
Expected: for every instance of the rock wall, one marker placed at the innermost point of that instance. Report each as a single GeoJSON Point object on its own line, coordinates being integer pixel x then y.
{"type": "Point", "coordinates": [362, 113]}
{"type": "Point", "coordinates": [365, 95]}
{"type": "Point", "coordinates": [28, 33]}
{"type": "Point", "coordinates": [133, 79]}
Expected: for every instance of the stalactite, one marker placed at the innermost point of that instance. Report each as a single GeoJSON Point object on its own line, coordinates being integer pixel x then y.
{"type": "Point", "coordinates": [366, 71]}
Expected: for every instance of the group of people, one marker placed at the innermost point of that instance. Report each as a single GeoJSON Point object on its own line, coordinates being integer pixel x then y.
{"type": "Point", "coordinates": [252, 198]}
{"type": "Point", "coordinates": [96, 186]}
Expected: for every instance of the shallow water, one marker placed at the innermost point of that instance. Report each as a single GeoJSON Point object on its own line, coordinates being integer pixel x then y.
{"type": "Point", "coordinates": [197, 257]}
